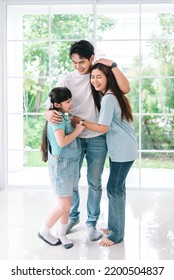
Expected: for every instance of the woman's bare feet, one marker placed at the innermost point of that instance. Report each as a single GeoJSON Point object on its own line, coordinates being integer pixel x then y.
{"type": "Point", "coordinates": [105, 230]}
{"type": "Point", "coordinates": [106, 242]}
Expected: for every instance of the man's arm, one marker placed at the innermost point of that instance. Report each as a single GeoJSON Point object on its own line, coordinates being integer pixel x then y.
{"type": "Point", "coordinates": [121, 79]}
{"type": "Point", "coordinates": [53, 116]}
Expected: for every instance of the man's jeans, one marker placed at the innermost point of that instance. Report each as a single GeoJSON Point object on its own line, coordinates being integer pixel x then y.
{"type": "Point", "coordinates": [95, 150]}
{"type": "Point", "coordinates": [116, 192]}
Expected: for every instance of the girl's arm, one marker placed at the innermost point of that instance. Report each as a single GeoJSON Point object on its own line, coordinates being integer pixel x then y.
{"type": "Point", "coordinates": [63, 140]}
{"type": "Point", "coordinates": [96, 127]}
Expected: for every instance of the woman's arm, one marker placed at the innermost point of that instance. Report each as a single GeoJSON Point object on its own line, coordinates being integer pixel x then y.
{"type": "Point", "coordinates": [96, 127]}
{"type": "Point", "coordinates": [89, 125]}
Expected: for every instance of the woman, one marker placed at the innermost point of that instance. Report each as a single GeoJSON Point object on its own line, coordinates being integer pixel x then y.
{"type": "Point", "coordinates": [115, 120]}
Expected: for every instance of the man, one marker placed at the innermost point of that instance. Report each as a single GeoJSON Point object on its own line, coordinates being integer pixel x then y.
{"type": "Point", "coordinates": [93, 144]}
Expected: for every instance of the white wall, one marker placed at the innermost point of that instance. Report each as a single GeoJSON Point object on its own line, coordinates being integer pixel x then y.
{"type": "Point", "coordinates": [1, 99]}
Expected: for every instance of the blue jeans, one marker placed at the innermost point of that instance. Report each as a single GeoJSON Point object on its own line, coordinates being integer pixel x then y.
{"type": "Point", "coordinates": [116, 192]}
{"type": "Point", "coordinates": [95, 150]}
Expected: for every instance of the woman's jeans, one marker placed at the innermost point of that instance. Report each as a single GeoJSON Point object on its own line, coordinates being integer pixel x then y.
{"type": "Point", "coordinates": [116, 192]}
{"type": "Point", "coordinates": [95, 150]}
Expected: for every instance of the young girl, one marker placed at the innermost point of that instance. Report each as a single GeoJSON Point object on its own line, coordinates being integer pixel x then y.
{"type": "Point", "coordinates": [62, 150]}
{"type": "Point", "coordinates": [115, 120]}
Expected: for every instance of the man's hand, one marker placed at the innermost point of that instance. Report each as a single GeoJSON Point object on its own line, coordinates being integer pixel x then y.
{"type": "Point", "coordinates": [75, 120]}
{"type": "Point", "coordinates": [105, 61]}
{"type": "Point", "coordinates": [53, 116]}
{"type": "Point", "coordinates": [121, 79]}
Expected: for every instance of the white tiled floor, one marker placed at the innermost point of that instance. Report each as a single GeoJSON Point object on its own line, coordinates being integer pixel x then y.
{"type": "Point", "coordinates": [149, 227]}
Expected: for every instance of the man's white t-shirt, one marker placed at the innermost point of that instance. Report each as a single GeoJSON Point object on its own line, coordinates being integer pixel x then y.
{"type": "Point", "coordinates": [83, 102]}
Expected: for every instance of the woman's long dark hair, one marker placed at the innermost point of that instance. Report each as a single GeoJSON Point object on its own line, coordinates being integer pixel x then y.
{"type": "Point", "coordinates": [58, 95]}
{"type": "Point", "coordinates": [126, 111]}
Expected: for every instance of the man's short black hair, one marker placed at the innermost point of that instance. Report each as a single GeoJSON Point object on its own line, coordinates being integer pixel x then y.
{"type": "Point", "coordinates": [83, 48]}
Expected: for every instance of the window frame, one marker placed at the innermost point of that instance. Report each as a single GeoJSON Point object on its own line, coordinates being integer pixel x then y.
{"type": "Point", "coordinates": [3, 70]}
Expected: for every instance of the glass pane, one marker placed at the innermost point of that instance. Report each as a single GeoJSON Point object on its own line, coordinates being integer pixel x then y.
{"type": "Point", "coordinates": [122, 21]}
{"type": "Point", "coordinates": [157, 58]}
{"type": "Point", "coordinates": [33, 158]}
{"type": "Point", "coordinates": [117, 51]}
{"type": "Point", "coordinates": [157, 132]}
{"type": "Point", "coordinates": [72, 22]}
{"type": "Point", "coordinates": [157, 160]}
{"type": "Point", "coordinates": [15, 163]}
{"type": "Point", "coordinates": [15, 131]}
{"type": "Point", "coordinates": [15, 59]}
{"type": "Point", "coordinates": [133, 95]}
{"type": "Point", "coordinates": [27, 96]}
{"type": "Point", "coordinates": [53, 82]}
{"type": "Point", "coordinates": [136, 125]}
{"type": "Point", "coordinates": [33, 127]}
{"type": "Point", "coordinates": [29, 59]}
{"type": "Point", "coordinates": [60, 61]}
{"type": "Point", "coordinates": [15, 95]}
{"type": "Point", "coordinates": [27, 21]}
{"type": "Point", "coordinates": [157, 169]}
{"type": "Point", "coordinates": [157, 95]}
{"type": "Point", "coordinates": [157, 21]}
{"type": "Point", "coordinates": [35, 26]}
{"type": "Point", "coordinates": [35, 93]}
{"type": "Point", "coordinates": [36, 59]}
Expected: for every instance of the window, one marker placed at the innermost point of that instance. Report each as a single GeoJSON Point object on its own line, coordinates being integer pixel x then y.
{"type": "Point", "coordinates": [139, 37]}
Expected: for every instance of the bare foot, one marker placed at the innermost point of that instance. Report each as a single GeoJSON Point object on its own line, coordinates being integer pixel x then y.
{"type": "Point", "coordinates": [105, 230]}
{"type": "Point", "coordinates": [106, 242]}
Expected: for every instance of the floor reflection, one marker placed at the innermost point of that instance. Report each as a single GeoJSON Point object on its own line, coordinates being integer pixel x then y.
{"type": "Point", "coordinates": [149, 228]}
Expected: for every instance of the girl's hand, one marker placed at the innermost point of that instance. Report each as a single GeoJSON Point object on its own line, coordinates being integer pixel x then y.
{"type": "Point", "coordinates": [79, 128]}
